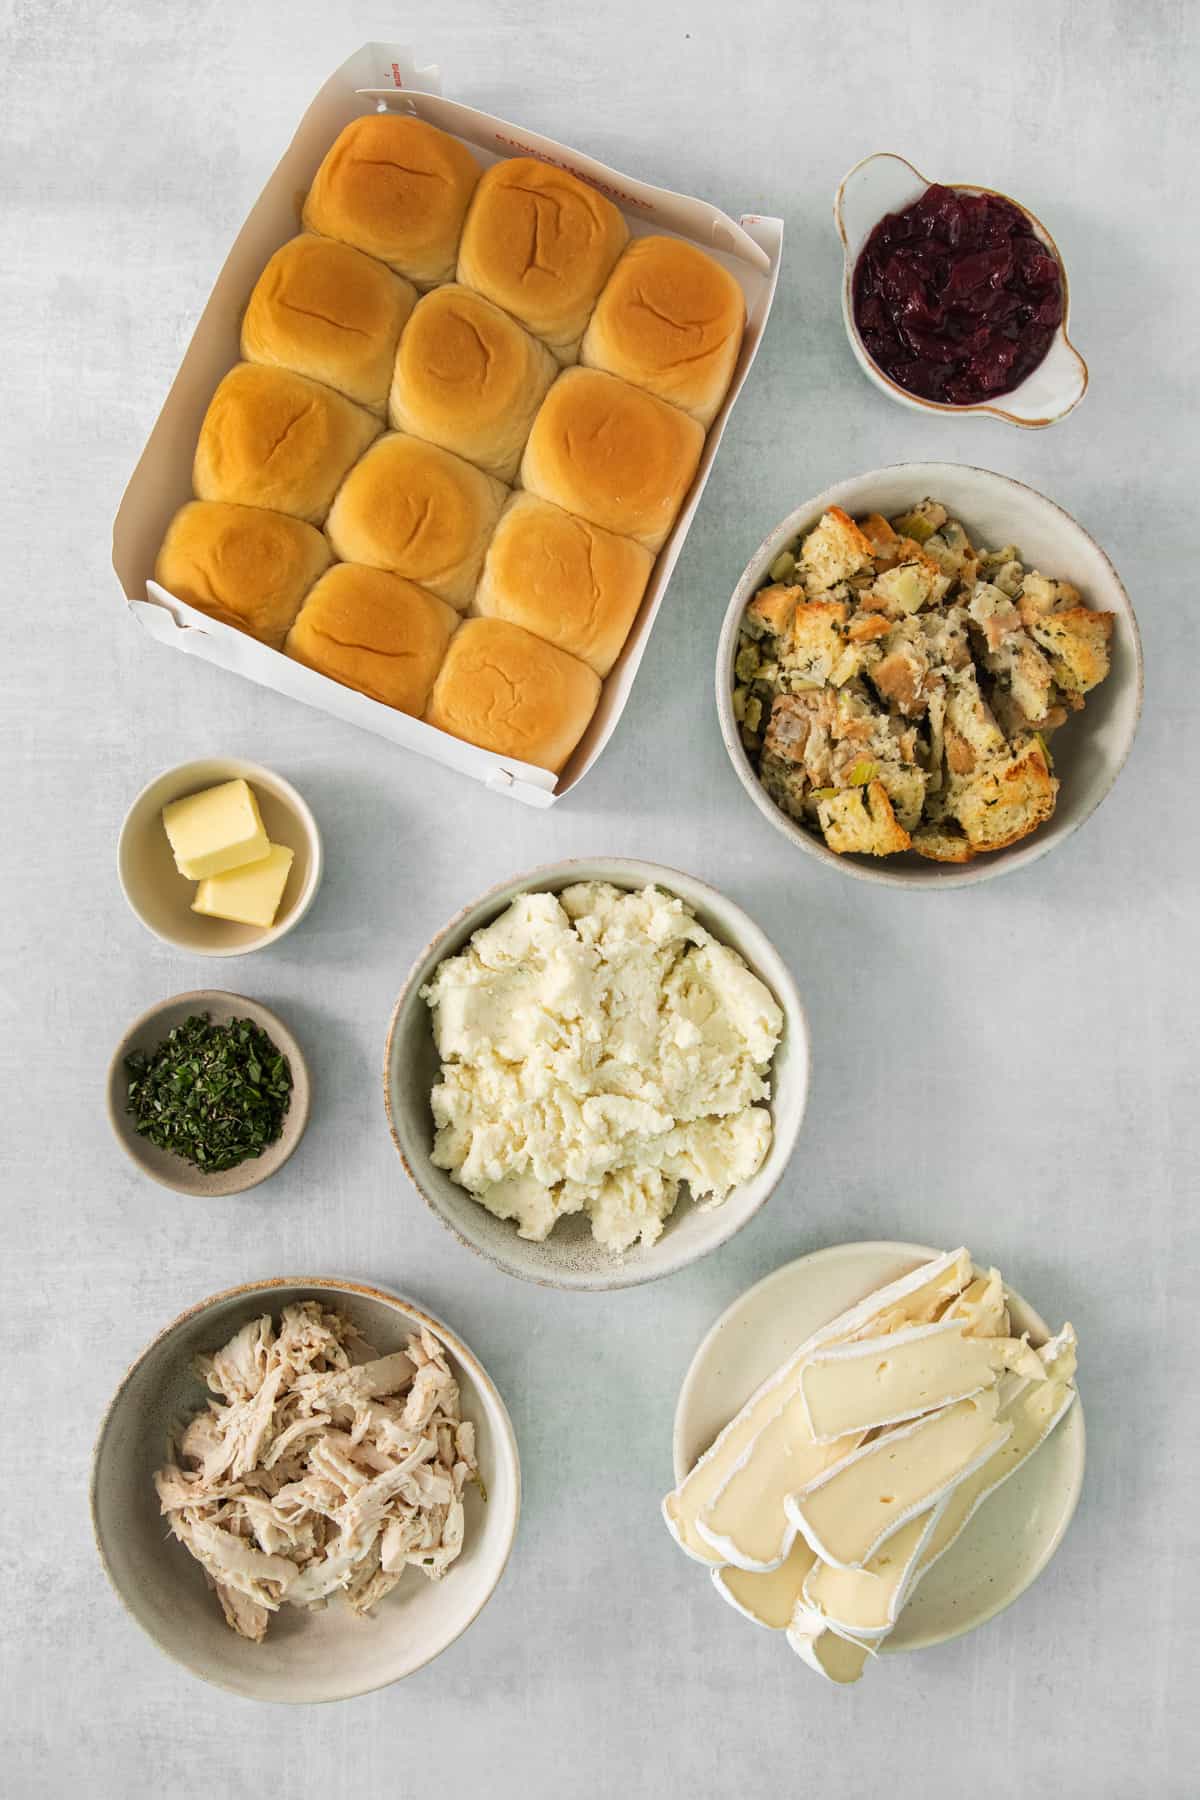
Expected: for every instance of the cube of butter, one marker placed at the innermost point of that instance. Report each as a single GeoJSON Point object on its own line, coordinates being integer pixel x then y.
{"type": "Point", "coordinates": [218, 829]}
{"type": "Point", "coordinates": [249, 895]}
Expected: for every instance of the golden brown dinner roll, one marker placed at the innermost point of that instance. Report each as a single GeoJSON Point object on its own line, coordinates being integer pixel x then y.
{"type": "Point", "coordinates": [563, 579]}
{"type": "Point", "coordinates": [241, 564]}
{"type": "Point", "coordinates": [328, 311]}
{"type": "Point", "coordinates": [271, 438]}
{"type": "Point", "coordinates": [541, 244]}
{"type": "Point", "coordinates": [376, 632]}
{"type": "Point", "coordinates": [397, 188]}
{"type": "Point", "coordinates": [670, 319]}
{"type": "Point", "coordinates": [470, 378]}
{"type": "Point", "coordinates": [613, 454]}
{"type": "Point", "coordinates": [414, 508]}
{"type": "Point", "coordinates": [508, 691]}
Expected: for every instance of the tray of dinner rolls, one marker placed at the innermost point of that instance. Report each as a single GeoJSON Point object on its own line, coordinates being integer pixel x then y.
{"type": "Point", "coordinates": [437, 440]}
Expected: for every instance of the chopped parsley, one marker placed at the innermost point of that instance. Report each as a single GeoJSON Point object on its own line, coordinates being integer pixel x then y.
{"type": "Point", "coordinates": [215, 1095]}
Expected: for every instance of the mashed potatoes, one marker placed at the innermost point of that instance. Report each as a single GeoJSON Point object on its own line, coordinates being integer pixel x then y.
{"type": "Point", "coordinates": [599, 1048]}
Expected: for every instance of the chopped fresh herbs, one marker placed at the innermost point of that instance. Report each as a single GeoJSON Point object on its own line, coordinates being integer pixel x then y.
{"type": "Point", "coordinates": [215, 1095]}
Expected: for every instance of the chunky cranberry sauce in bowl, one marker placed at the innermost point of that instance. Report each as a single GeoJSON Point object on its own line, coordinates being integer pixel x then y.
{"type": "Point", "coordinates": [955, 297]}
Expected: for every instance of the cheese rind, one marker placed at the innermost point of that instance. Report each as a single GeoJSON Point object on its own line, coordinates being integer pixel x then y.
{"type": "Point", "coordinates": [847, 1514]}
{"type": "Point", "coordinates": [882, 1381]}
{"type": "Point", "coordinates": [767, 1597]}
{"type": "Point", "coordinates": [218, 829]}
{"type": "Point", "coordinates": [249, 895]}
{"type": "Point", "coordinates": [921, 1294]}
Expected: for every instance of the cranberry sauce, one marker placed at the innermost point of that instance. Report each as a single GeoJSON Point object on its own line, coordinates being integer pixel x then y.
{"type": "Point", "coordinates": [957, 298]}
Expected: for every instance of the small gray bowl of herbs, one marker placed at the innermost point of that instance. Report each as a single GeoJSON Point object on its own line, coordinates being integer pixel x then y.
{"type": "Point", "coordinates": [208, 1093]}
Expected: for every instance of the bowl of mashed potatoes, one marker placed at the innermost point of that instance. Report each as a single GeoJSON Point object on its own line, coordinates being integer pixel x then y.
{"type": "Point", "coordinates": [597, 1072]}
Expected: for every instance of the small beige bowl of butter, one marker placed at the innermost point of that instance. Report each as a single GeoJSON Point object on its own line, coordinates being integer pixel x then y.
{"type": "Point", "coordinates": [250, 846]}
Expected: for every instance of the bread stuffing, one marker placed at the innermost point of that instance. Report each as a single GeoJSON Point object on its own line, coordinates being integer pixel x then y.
{"type": "Point", "coordinates": [896, 686]}
{"type": "Point", "coordinates": [318, 1468]}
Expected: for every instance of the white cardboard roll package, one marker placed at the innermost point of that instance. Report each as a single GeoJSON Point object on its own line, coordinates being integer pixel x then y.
{"type": "Point", "coordinates": [376, 76]}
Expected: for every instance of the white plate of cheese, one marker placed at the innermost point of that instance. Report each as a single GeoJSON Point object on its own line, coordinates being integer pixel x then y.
{"type": "Point", "coordinates": [1018, 1527]}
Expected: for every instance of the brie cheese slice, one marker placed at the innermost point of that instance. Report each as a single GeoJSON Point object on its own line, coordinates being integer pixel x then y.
{"type": "Point", "coordinates": [918, 1296]}
{"type": "Point", "coordinates": [881, 1381]}
{"type": "Point", "coordinates": [768, 1597]}
{"type": "Point", "coordinates": [867, 1601]}
{"type": "Point", "coordinates": [745, 1523]}
{"type": "Point", "coordinates": [836, 1658]}
{"type": "Point", "coordinates": [850, 1511]}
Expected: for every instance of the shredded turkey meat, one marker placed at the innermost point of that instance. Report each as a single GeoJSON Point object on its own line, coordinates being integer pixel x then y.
{"type": "Point", "coordinates": [319, 1467]}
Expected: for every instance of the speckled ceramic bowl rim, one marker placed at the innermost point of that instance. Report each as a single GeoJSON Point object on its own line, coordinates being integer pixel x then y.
{"type": "Point", "coordinates": [918, 1253]}
{"type": "Point", "coordinates": [251, 772]}
{"type": "Point", "coordinates": [335, 1284]}
{"type": "Point", "coordinates": [296, 1118]}
{"type": "Point", "coordinates": [549, 877]}
{"type": "Point", "coordinates": [983, 868]}
{"type": "Point", "coordinates": [941, 406]}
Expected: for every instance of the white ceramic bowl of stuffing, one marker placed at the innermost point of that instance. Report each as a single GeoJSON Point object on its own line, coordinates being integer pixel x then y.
{"type": "Point", "coordinates": [570, 1256]}
{"type": "Point", "coordinates": [1088, 752]}
{"type": "Point", "coordinates": [305, 1656]}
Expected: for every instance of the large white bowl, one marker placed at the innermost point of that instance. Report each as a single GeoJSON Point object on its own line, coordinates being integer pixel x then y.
{"type": "Point", "coordinates": [1017, 1529]}
{"type": "Point", "coordinates": [1089, 751]}
{"type": "Point", "coordinates": [306, 1657]}
{"type": "Point", "coordinates": [570, 1258]}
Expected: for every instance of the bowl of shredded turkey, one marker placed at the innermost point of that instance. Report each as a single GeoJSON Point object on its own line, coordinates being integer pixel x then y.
{"type": "Point", "coordinates": [319, 1467]}
{"type": "Point", "coordinates": [304, 1489]}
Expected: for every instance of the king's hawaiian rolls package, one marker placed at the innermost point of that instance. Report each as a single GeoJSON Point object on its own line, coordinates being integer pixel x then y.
{"type": "Point", "coordinates": [572, 364]}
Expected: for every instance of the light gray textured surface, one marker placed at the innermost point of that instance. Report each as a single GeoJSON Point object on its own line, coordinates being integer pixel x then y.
{"type": "Point", "coordinates": [1012, 1065]}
